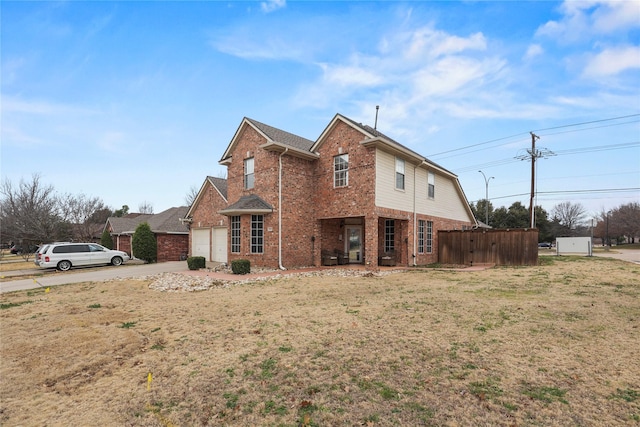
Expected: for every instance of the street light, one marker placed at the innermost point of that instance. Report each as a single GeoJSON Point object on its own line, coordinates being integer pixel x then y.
{"type": "Point", "coordinates": [486, 198]}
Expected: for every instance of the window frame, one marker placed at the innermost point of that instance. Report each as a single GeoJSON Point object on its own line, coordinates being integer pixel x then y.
{"type": "Point", "coordinates": [431, 185]}
{"type": "Point", "coordinates": [341, 174]}
{"type": "Point", "coordinates": [429, 237]}
{"type": "Point", "coordinates": [389, 235]}
{"type": "Point", "coordinates": [257, 234]}
{"type": "Point", "coordinates": [249, 177]}
{"type": "Point", "coordinates": [421, 230]}
{"type": "Point", "coordinates": [400, 174]}
{"type": "Point", "coordinates": [236, 234]}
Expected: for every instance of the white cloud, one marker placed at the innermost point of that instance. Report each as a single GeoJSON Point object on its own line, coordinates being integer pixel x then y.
{"type": "Point", "coordinates": [271, 5]}
{"type": "Point", "coordinates": [350, 75]}
{"type": "Point", "coordinates": [583, 19]}
{"type": "Point", "coordinates": [613, 61]}
{"type": "Point", "coordinates": [11, 104]}
{"type": "Point", "coordinates": [533, 51]}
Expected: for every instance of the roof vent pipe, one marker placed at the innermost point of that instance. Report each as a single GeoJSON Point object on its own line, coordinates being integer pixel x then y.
{"type": "Point", "coordinates": [375, 125]}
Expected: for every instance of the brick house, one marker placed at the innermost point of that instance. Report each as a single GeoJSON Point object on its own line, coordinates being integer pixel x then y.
{"type": "Point", "coordinates": [352, 196]}
{"type": "Point", "coordinates": [208, 228]}
{"type": "Point", "coordinates": [172, 235]}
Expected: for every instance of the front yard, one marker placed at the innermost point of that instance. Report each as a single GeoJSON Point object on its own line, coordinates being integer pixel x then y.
{"type": "Point", "coordinates": [555, 344]}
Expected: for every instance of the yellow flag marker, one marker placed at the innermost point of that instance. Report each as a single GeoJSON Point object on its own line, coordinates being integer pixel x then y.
{"type": "Point", "coordinates": [149, 378]}
{"type": "Point", "coordinates": [47, 290]}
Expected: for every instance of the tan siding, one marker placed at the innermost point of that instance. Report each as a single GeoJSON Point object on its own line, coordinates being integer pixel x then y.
{"type": "Point", "coordinates": [386, 194]}
{"type": "Point", "coordinates": [447, 202]}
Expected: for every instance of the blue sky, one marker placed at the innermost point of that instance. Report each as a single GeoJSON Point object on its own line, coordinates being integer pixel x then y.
{"type": "Point", "coordinates": [136, 102]}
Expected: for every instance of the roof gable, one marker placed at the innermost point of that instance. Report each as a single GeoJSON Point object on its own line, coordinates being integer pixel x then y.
{"type": "Point", "coordinates": [270, 134]}
{"type": "Point", "coordinates": [219, 184]}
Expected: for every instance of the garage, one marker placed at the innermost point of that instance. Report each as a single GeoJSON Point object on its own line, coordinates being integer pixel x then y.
{"type": "Point", "coordinates": [220, 244]}
{"type": "Point", "coordinates": [201, 243]}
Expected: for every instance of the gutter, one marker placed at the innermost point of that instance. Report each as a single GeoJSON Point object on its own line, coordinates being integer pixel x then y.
{"type": "Point", "coordinates": [280, 209]}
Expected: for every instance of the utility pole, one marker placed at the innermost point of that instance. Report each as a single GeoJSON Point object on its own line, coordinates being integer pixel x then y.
{"type": "Point", "coordinates": [532, 216]}
{"type": "Point", "coordinates": [532, 155]}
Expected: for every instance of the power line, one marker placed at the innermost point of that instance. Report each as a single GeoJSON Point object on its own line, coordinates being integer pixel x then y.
{"type": "Point", "coordinates": [588, 123]}
{"type": "Point", "coordinates": [558, 153]}
{"type": "Point", "coordinates": [540, 130]}
{"type": "Point", "coordinates": [591, 191]}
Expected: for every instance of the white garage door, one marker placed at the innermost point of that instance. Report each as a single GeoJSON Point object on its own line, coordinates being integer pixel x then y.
{"type": "Point", "coordinates": [220, 244]}
{"type": "Point", "coordinates": [201, 243]}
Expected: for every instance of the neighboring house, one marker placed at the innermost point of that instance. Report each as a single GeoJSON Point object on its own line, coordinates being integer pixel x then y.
{"type": "Point", "coordinates": [352, 196]}
{"type": "Point", "coordinates": [172, 236]}
{"type": "Point", "coordinates": [208, 228]}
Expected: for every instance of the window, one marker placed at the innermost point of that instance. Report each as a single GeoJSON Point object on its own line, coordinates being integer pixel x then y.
{"type": "Point", "coordinates": [341, 170]}
{"type": "Point", "coordinates": [248, 173]}
{"type": "Point", "coordinates": [389, 235]}
{"type": "Point", "coordinates": [421, 224]}
{"type": "Point", "coordinates": [429, 237]}
{"type": "Point", "coordinates": [257, 234]}
{"type": "Point", "coordinates": [399, 174]}
{"type": "Point", "coordinates": [431, 181]}
{"type": "Point", "coordinates": [235, 234]}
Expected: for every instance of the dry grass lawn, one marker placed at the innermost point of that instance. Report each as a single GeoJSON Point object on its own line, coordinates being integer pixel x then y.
{"type": "Point", "coordinates": [555, 344]}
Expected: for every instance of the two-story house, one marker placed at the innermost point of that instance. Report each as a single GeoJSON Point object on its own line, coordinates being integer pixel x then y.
{"type": "Point", "coordinates": [353, 192]}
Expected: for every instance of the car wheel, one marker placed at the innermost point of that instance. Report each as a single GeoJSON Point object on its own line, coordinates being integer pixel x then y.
{"type": "Point", "coordinates": [64, 265]}
{"type": "Point", "coordinates": [116, 260]}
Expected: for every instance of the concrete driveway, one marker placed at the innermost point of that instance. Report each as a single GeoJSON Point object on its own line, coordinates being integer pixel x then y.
{"type": "Point", "coordinates": [91, 275]}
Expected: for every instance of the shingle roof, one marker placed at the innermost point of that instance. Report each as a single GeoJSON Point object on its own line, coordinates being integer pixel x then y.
{"type": "Point", "coordinates": [248, 204]}
{"type": "Point", "coordinates": [164, 222]}
{"type": "Point", "coordinates": [376, 133]}
{"type": "Point", "coordinates": [283, 137]}
{"type": "Point", "coordinates": [220, 184]}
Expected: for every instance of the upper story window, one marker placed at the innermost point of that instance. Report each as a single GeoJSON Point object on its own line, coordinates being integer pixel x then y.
{"type": "Point", "coordinates": [399, 174]}
{"type": "Point", "coordinates": [341, 170]}
{"type": "Point", "coordinates": [431, 182]}
{"type": "Point", "coordinates": [248, 173]}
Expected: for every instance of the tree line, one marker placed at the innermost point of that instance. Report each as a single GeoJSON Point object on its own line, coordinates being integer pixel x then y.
{"type": "Point", "coordinates": [32, 213]}
{"type": "Point", "coordinates": [566, 219]}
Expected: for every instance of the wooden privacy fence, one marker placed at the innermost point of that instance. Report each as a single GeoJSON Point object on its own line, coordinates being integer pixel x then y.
{"type": "Point", "coordinates": [488, 246]}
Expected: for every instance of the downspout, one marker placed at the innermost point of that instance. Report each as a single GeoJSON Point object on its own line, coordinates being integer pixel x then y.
{"type": "Point", "coordinates": [415, 220]}
{"type": "Point", "coordinates": [280, 209]}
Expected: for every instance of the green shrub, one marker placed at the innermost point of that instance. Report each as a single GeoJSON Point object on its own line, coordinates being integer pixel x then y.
{"type": "Point", "coordinates": [106, 240]}
{"type": "Point", "coordinates": [144, 243]}
{"type": "Point", "coordinates": [241, 266]}
{"type": "Point", "coordinates": [196, 262]}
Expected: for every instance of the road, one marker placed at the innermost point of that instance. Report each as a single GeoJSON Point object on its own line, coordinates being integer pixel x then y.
{"type": "Point", "coordinates": [631, 255]}
{"type": "Point", "coordinates": [91, 275]}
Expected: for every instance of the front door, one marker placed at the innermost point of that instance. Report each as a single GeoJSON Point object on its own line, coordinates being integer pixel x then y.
{"type": "Point", "coordinates": [354, 243]}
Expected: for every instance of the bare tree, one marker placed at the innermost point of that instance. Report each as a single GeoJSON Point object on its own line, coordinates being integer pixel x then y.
{"type": "Point", "coordinates": [145, 207]}
{"type": "Point", "coordinates": [568, 215]}
{"type": "Point", "coordinates": [191, 195]}
{"type": "Point", "coordinates": [29, 213]}
{"type": "Point", "coordinates": [80, 212]}
{"type": "Point", "coordinates": [626, 221]}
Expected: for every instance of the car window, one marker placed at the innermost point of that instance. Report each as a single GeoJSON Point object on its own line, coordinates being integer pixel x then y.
{"type": "Point", "coordinates": [96, 248]}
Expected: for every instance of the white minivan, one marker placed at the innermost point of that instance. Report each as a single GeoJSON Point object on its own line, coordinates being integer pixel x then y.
{"type": "Point", "coordinates": [63, 256]}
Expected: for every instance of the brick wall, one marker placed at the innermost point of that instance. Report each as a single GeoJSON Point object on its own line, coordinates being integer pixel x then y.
{"type": "Point", "coordinates": [171, 246]}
